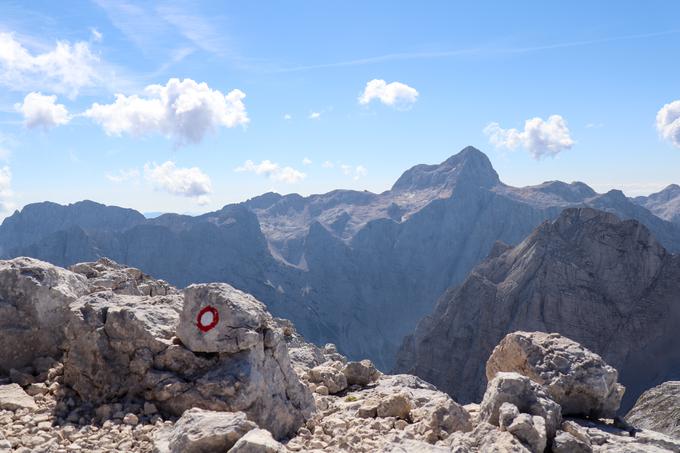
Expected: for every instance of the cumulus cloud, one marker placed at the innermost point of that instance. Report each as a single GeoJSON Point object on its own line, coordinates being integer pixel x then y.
{"type": "Point", "coordinates": [6, 195]}
{"type": "Point", "coordinates": [328, 164]}
{"type": "Point", "coordinates": [306, 161]}
{"type": "Point", "coordinates": [395, 94]}
{"type": "Point", "coordinates": [123, 175]}
{"type": "Point", "coordinates": [273, 171]}
{"type": "Point", "coordinates": [287, 116]}
{"type": "Point", "coordinates": [184, 182]}
{"type": "Point", "coordinates": [315, 115]}
{"type": "Point", "coordinates": [65, 69]}
{"type": "Point", "coordinates": [668, 122]}
{"type": "Point", "coordinates": [183, 110]}
{"type": "Point", "coordinates": [42, 111]}
{"type": "Point", "coordinates": [541, 138]}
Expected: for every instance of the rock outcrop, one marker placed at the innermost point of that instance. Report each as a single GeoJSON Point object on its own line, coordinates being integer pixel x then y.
{"type": "Point", "coordinates": [601, 281]}
{"type": "Point", "coordinates": [34, 306]}
{"type": "Point", "coordinates": [658, 409]}
{"type": "Point", "coordinates": [125, 346]}
{"type": "Point", "coordinates": [577, 379]}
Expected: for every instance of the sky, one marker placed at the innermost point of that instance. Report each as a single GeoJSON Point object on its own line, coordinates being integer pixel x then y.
{"type": "Point", "coordinates": [188, 106]}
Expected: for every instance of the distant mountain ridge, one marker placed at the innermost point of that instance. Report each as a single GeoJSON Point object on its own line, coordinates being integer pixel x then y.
{"type": "Point", "coordinates": [350, 267]}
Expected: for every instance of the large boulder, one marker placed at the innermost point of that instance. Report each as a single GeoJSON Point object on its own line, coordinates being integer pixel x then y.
{"type": "Point", "coordinates": [658, 409]}
{"type": "Point", "coordinates": [34, 306]}
{"type": "Point", "coordinates": [219, 318]}
{"type": "Point", "coordinates": [574, 377]}
{"type": "Point", "coordinates": [113, 340]}
{"type": "Point", "coordinates": [124, 346]}
{"type": "Point", "coordinates": [526, 395]}
{"type": "Point", "coordinates": [199, 431]}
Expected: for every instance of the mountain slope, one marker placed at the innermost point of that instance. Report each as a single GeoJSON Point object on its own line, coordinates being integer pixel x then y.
{"type": "Point", "coordinates": [604, 282]}
{"type": "Point", "coordinates": [664, 204]}
{"type": "Point", "coordinates": [354, 268]}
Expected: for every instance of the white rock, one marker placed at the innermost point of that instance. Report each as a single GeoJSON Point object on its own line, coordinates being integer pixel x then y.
{"type": "Point", "coordinates": [13, 397]}
{"type": "Point", "coordinates": [257, 441]}
{"type": "Point", "coordinates": [574, 377]}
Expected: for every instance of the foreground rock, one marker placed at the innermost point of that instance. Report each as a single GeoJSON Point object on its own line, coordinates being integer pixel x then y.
{"type": "Point", "coordinates": [658, 409]}
{"type": "Point", "coordinates": [124, 347]}
{"type": "Point", "coordinates": [105, 274]}
{"type": "Point", "coordinates": [577, 379]}
{"type": "Point", "coordinates": [13, 397]}
{"type": "Point", "coordinates": [605, 283]}
{"type": "Point", "coordinates": [199, 431]}
{"type": "Point", "coordinates": [258, 441]}
{"type": "Point", "coordinates": [34, 306]}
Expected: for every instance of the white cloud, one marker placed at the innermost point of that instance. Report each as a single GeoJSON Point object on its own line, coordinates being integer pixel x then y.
{"type": "Point", "coordinates": [355, 172]}
{"type": "Point", "coordinates": [273, 171]}
{"type": "Point", "coordinates": [66, 69]}
{"type": "Point", "coordinates": [181, 109]}
{"type": "Point", "coordinates": [395, 94]}
{"type": "Point", "coordinates": [668, 122]}
{"type": "Point", "coordinates": [328, 164]}
{"type": "Point", "coordinates": [185, 182]}
{"type": "Point", "coordinates": [287, 116]}
{"type": "Point", "coordinates": [123, 175]}
{"type": "Point", "coordinates": [315, 115]}
{"type": "Point", "coordinates": [42, 111]}
{"type": "Point", "coordinates": [6, 195]}
{"type": "Point", "coordinates": [96, 34]}
{"type": "Point", "coordinates": [306, 161]}
{"type": "Point", "coordinates": [540, 138]}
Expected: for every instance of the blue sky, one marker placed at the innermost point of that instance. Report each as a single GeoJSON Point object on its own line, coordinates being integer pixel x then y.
{"type": "Point", "coordinates": [591, 78]}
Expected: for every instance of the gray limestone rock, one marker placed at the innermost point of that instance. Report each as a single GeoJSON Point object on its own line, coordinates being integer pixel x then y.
{"type": "Point", "coordinates": [13, 397]}
{"type": "Point", "coordinates": [258, 441]}
{"type": "Point", "coordinates": [658, 409]}
{"type": "Point", "coordinates": [201, 431]}
{"type": "Point", "coordinates": [574, 377]}
{"type": "Point", "coordinates": [528, 396]}
{"type": "Point", "coordinates": [124, 346]}
{"type": "Point", "coordinates": [34, 306]}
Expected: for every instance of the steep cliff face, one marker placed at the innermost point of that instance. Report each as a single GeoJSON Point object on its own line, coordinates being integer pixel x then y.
{"type": "Point", "coordinates": [601, 281]}
{"type": "Point", "coordinates": [354, 268]}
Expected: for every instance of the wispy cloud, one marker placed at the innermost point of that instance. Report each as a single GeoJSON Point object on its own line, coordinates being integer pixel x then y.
{"type": "Point", "coordinates": [472, 51]}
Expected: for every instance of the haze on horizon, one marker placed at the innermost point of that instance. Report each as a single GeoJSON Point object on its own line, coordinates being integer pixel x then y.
{"type": "Point", "coordinates": [185, 107]}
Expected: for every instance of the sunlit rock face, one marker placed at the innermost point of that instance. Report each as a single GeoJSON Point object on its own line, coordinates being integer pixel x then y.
{"type": "Point", "coordinates": [601, 281]}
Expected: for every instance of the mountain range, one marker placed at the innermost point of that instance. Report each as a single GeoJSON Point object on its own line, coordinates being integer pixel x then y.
{"type": "Point", "coordinates": [355, 268]}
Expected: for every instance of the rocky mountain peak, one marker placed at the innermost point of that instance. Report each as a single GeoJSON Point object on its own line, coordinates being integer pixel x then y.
{"type": "Point", "coordinates": [470, 167]}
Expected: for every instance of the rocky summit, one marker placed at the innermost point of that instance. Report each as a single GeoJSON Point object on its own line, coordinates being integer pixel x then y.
{"type": "Point", "coordinates": [354, 268]}
{"type": "Point", "coordinates": [140, 366]}
{"type": "Point", "coordinates": [599, 280]}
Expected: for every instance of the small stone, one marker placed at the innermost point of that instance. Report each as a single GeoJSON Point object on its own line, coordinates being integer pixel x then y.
{"type": "Point", "coordinates": [394, 406]}
{"type": "Point", "coordinates": [321, 390]}
{"type": "Point", "coordinates": [131, 419]}
{"type": "Point", "coordinates": [150, 409]}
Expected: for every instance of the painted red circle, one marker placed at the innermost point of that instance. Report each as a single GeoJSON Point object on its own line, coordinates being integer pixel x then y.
{"type": "Point", "coordinates": [199, 319]}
